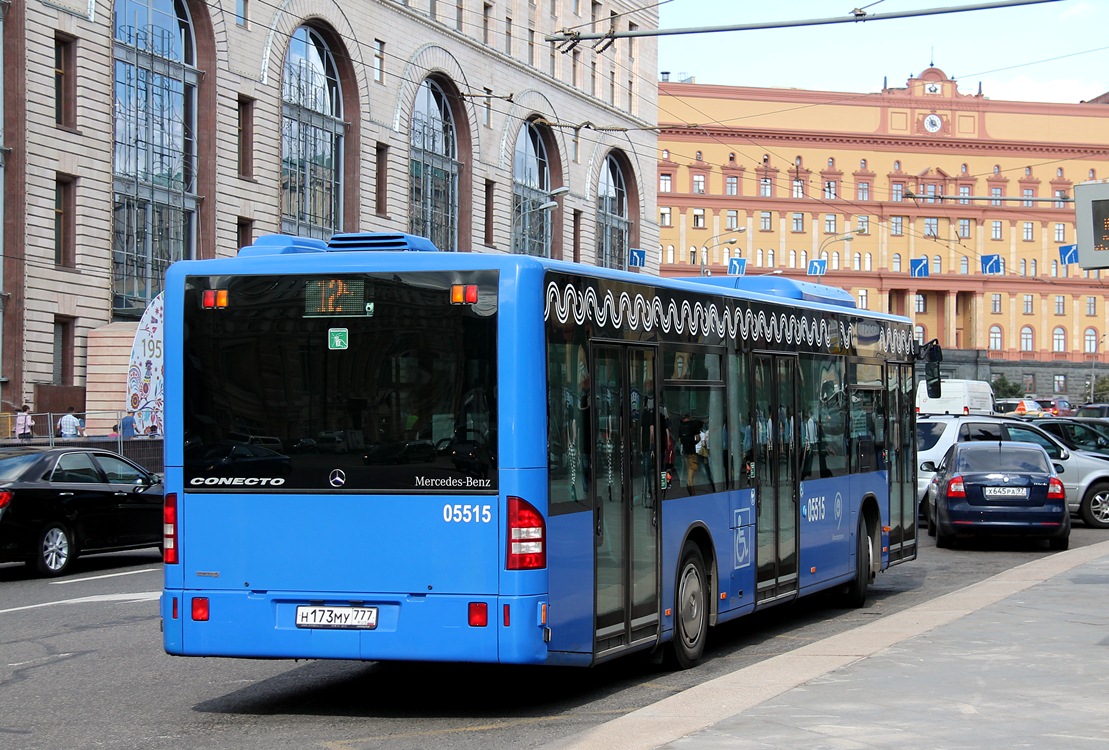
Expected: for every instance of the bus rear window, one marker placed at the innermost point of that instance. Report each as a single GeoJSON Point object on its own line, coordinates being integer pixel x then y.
{"type": "Point", "coordinates": [350, 383]}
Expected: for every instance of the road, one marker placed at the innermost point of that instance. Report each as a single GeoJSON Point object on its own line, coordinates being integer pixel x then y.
{"type": "Point", "coordinates": [81, 666]}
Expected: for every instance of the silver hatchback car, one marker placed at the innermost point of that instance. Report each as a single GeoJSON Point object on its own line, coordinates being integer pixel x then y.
{"type": "Point", "coordinates": [1085, 475]}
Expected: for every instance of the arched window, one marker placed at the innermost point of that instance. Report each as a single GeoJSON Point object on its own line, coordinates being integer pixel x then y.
{"type": "Point", "coordinates": [804, 259]}
{"type": "Point", "coordinates": [896, 263]}
{"type": "Point", "coordinates": [1090, 341]}
{"type": "Point", "coordinates": [311, 138]}
{"type": "Point", "coordinates": [862, 164]}
{"type": "Point", "coordinates": [1026, 341]}
{"type": "Point", "coordinates": [1059, 340]}
{"type": "Point", "coordinates": [770, 258]}
{"type": "Point", "coordinates": [793, 259]}
{"type": "Point", "coordinates": [698, 156]}
{"type": "Point", "coordinates": [868, 262]}
{"type": "Point", "coordinates": [1001, 266]}
{"type": "Point", "coordinates": [995, 338]}
{"type": "Point", "coordinates": [835, 260]}
{"type": "Point", "coordinates": [669, 253]}
{"type": "Point", "coordinates": [1028, 171]}
{"type": "Point", "coordinates": [831, 163]}
{"type": "Point", "coordinates": [1032, 268]}
{"type": "Point", "coordinates": [666, 153]}
{"type": "Point", "coordinates": [1058, 171]}
{"type": "Point", "coordinates": [897, 165]}
{"type": "Point", "coordinates": [1023, 267]}
{"type": "Point", "coordinates": [857, 262]}
{"type": "Point", "coordinates": [937, 265]}
{"type": "Point", "coordinates": [963, 169]}
{"type": "Point", "coordinates": [758, 257]}
{"type": "Point", "coordinates": [155, 161]}
{"type": "Point", "coordinates": [613, 222]}
{"type": "Point", "coordinates": [997, 169]}
{"type": "Point", "coordinates": [434, 168]}
{"type": "Point", "coordinates": [1054, 268]}
{"type": "Point", "coordinates": [532, 206]}
{"type": "Point", "coordinates": [964, 265]}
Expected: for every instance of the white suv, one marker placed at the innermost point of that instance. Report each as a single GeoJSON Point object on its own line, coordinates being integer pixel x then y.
{"type": "Point", "coordinates": [1084, 474]}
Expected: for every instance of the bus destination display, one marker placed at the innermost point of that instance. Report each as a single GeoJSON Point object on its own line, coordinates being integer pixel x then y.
{"type": "Point", "coordinates": [336, 298]}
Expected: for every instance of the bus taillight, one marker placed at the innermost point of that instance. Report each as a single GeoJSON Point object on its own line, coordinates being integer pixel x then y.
{"type": "Point", "coordinates": [169, 529]}
{"type": "Point", "coordinates": [214, 299]}
{"type": "Point", "coordinates": [527, 536]}
{"type": "Point", "coordinates": [463, 294]}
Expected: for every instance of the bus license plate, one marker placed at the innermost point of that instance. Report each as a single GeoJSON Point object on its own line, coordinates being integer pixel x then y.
{"type": "Point", "coordinates": [359, 618]}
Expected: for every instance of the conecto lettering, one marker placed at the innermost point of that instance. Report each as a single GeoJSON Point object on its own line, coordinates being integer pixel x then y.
{"type": "Point", "coordinates": [237, 481]}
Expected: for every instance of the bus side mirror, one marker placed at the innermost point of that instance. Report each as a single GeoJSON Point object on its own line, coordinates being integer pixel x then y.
{"type": "Point", "coordinates": [932, 378]}
{"type": "Point", "coordinates": [932, 354]}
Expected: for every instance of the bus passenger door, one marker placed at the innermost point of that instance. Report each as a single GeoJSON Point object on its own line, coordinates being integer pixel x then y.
{"type": "Point", "coordinates": [626, 495]}
{"type": "Point", "coordinates": [900, 440]}
{"type": "Point", "coordinates": [774, 417]}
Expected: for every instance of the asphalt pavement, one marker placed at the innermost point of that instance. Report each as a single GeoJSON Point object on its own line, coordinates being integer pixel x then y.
{"type": "Point", "coordinates": [1017, 660]}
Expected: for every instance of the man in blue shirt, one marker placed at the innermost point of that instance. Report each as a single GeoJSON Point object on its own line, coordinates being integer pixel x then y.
{"type": "Point", "coordinates": [127, 426]}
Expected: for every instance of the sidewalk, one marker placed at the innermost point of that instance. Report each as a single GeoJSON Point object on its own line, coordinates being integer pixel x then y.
{"type": "Point", "coordinates": [1017, 660]}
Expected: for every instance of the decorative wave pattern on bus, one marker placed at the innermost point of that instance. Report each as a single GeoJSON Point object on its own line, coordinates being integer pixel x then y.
{"type": "Point", "coordinates": [704, 319]}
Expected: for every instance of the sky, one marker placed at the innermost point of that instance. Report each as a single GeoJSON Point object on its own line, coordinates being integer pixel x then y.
{"type": "Point", "coordinates": [1048, 52]}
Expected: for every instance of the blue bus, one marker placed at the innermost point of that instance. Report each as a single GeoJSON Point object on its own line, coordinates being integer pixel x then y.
{"type": "Point", "coordinates": [375, 450]}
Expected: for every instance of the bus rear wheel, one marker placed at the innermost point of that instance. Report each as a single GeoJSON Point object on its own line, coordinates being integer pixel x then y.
{"type": "Point", "coordinates": [855, 596]}
{"type": "Point", "coordinates": [691, 608]}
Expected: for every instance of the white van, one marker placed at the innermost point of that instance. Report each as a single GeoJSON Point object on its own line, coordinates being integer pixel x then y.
{"type": "Point", "coordinates": [956, 397]}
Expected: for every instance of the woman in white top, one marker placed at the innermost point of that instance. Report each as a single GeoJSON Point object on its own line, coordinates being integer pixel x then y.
{"type": "Point", "coordinates": [24, 423]}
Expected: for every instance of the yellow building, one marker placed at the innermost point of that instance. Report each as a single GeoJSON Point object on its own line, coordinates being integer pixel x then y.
{"type": "Point", "coordinates": [884, 185]}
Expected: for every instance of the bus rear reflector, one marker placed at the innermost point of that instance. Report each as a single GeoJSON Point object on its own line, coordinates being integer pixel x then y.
{"type": "Point", "coordinates": [169, 529]}
{"type": "Point", "coordinates": [478, 615]}
{"type": "Point", "coordinates": [527, 536]}
{"type": "Point", "coordinates": [200, 609]}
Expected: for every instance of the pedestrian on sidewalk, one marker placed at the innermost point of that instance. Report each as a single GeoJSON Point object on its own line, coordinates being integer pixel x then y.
{"type": "Point", "coordinates": [24, 424]}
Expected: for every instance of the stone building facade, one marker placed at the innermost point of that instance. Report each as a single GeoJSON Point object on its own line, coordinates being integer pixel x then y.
{"type": "Point", "coordinates": [886, 186]}
{"type": "Point", "coordinates": [141, 132]}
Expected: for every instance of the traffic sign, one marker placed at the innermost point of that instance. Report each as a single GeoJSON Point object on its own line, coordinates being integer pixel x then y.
{"type": "Point", "coordinates": [737, 266]}
{"type": "Point", "coordinates": [818, 267]}
{"type": "Point", "coordinates": [918, 267]}
{"type": "Point", "coordinates": [637, 257]}
{"type": "Point", "coordinates": [1068, 254]}
{"type": "Point", "coordinates": [991, 264]}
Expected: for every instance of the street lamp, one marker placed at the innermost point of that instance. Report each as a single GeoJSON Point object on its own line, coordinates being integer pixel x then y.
{"type": "Point", "coordinates": [529, 233]}
{"type": "Point", "coordinates": [845, 237]}
{"type": "Point", "coordinates": [705, 271]}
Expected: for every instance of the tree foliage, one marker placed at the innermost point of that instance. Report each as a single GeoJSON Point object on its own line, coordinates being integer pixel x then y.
{"type": "Point", "coordinates": [1005, 388]}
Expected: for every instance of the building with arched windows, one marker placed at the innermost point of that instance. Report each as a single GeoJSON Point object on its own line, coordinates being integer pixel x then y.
{"type": "Point", "coordinates": [141, 132]}
{"type": "Point", "coordinates": [944, 206]}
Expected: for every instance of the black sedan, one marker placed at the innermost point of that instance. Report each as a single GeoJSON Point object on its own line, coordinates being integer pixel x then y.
{"type": "Point", "coordinates": [1000, 487]}
{"type": "Point", "coordinates": [58, 503]}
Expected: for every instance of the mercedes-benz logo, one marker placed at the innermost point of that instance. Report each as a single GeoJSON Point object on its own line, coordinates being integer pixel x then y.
{"type": "Point", "coordinates": [337, 478]}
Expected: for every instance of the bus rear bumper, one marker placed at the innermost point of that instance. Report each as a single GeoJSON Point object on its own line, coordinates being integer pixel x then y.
{"type": "Point", "coordinates": [409, 628]}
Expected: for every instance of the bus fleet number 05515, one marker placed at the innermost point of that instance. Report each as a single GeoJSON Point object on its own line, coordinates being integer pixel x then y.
{"type": "Point", "coordinates": [459, 513]}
